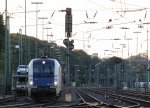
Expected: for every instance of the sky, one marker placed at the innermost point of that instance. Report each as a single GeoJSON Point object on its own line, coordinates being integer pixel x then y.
{"type": "Point", "coordinates": [111, 17]}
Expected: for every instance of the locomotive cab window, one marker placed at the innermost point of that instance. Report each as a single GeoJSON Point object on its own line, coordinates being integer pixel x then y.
{"type": "Point", "coordinates": [21, 80]}
{"type": "Point", "coordinates": [46, 67]}
{"type": "Point", "coordinates": [43, 69]}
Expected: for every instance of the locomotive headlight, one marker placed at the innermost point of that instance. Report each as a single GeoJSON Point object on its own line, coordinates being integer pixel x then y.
{"type": "Point", "coordinates": [55, 82]}
{"type": "Point", "coordinates": [43, 62]}
{"type": "Point", "coordinates": [31, 82]}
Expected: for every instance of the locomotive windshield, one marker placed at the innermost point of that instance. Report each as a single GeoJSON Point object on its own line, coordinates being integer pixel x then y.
{"type": "Point", "coordinates": [43, 67]}
{"type": "Point", "coordinates": [21, 80]}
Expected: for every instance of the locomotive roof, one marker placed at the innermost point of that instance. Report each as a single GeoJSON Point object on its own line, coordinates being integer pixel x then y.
{"type": "Point", "coordinates": [45, 59]}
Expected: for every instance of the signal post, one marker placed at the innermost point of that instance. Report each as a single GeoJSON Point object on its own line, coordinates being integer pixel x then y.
{"type": "Point", "coordinates": [69, 45]}
{"type": "Point", "coordinates": [67, 42]}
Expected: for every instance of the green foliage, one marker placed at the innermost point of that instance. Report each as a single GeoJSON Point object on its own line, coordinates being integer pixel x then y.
{"type": "Point", "coordinates": [116, 60]}
{"type": "Point", "coordinates": [77, 57]}
{"type": "Point", "coordinates": [1, 67]}
{"type": "Point", "coordinates": [1, 61]}
{"type": "Point", "coordinates": [2, 33]}
{"type": "Point", "coordinates": [122, 71]}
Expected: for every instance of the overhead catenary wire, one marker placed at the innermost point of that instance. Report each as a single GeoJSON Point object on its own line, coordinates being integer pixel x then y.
{"type": "Point", "coordinates": [112, 10]}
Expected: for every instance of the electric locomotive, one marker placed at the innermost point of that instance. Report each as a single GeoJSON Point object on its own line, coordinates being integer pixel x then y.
{"type": "Point", "coordinates": [44, 78]}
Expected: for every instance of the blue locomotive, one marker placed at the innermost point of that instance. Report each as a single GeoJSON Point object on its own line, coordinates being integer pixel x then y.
{"type": "Point", "coordinates": [44, 78]}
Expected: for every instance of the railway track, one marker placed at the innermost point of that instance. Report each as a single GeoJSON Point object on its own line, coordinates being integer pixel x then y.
{"type": "Point", "coordinates": [141, 99]}
{"type": "Point", "coordinates": [110, 100]}
{"type": "Point", "coordinates": [26, 102]}
{"type": "Point", "coordinates": [81, 98]}
{"type": "Point", "coordinates": [88, 99]}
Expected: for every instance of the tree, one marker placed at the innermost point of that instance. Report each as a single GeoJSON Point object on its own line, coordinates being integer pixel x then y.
{"type": "Point", "coordinates": [2, 33]}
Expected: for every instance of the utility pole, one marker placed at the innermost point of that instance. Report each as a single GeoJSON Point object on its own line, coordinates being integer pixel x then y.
{"type": "Point", "coordinates": [25, 19]}
{"type": "Point", "coordinates": [137, 42]}
{"type": "Point", "coordinates": [147, 54]}
{"type": "Point", "coordinates": [43, 18]}
{"type": "Point", "coordinates": [9, 55]}
{"type": "Point", "coordinates": [36, 46]}
{"type": "Point", "coordinates": [6, 51]}
{"type": "Point", "coordinates": [20, 47]}
{"type": "Point", "coordinates": [47, 32]}
{"type": "Point", "coordinates": [28, 40]}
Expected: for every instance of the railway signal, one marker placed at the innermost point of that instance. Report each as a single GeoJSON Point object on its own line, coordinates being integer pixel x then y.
{"type": "Point", "coordinates": [69, 44]}
{"type": "Point", "coordinates": [68, 22]}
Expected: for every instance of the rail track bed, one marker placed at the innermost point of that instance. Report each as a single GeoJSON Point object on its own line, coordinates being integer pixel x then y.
{"type": "Point", "coordinates": [78, 98]}
{"type": "Point", "coordinates": [141, 99]}
{"type": "Point", "coordinates": [27, 102]}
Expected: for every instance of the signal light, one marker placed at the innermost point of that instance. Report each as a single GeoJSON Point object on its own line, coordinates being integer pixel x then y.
{"type": "Point", "coordinates": [69, 44]}
{"type": "Point", "coordinates": [68, 21]}
{"type": "Point", "coordinates": [65, 42]}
